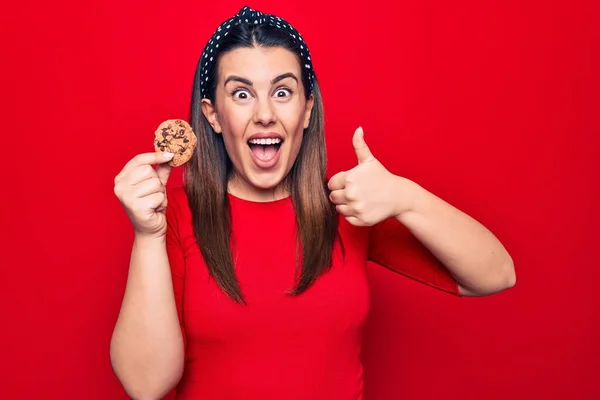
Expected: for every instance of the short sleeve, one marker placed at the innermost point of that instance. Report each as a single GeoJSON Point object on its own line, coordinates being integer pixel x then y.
{"type": "Point", "coordinates": [394, 247]}
{"type": "Point", "coordinates": [175, 253]}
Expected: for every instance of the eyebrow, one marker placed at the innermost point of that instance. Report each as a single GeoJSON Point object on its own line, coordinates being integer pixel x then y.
{"type": "Point", "coordinates": [245, 81]}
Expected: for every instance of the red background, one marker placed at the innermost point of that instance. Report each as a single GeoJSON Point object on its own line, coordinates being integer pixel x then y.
{"type": "Point", "coordinates": [491, 105]}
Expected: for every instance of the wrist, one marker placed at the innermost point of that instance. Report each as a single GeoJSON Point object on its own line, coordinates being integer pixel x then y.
{"type": "Point", "coordinates": [405, 195]}
{"type": "Point", "coordinates": [143, 240]}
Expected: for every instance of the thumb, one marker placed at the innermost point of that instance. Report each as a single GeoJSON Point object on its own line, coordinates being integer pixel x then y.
{"type": "Point", "coordinates": [163, 171]}
{"type": "Point", "coordinates": [360, 147]}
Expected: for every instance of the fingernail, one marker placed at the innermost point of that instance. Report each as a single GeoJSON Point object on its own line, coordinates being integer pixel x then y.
{"type": "Point", "coordinates": [168, 155]}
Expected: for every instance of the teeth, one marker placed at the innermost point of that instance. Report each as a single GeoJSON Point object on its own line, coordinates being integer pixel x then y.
{"type": "Point", "coordinates": [265, 141]}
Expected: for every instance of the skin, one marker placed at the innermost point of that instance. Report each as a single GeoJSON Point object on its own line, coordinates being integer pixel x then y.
{"type": "Point", "coordinates": [146, 348]}
{"type": "Point", "coordinates": [368, 194]}
{"type": "Point", "coordinates": [147, 351]}
{"type": "Point", "coordinates": [365, 195]}
{"type": "Point", "coordinates": [271, 99]}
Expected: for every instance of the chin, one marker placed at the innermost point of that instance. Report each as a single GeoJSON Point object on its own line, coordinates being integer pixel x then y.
{"type": "Point", "coordinates": [265, 180]}
{"type": "Point", "coordinates": [265, 174]}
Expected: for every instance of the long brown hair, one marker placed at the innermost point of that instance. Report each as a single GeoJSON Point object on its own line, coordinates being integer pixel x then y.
{"type": "Point", "coordinates": [209, 170]}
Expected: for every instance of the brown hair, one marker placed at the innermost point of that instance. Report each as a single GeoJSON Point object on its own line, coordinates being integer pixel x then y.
{"type": "Point", "coordinates": [209, 170]}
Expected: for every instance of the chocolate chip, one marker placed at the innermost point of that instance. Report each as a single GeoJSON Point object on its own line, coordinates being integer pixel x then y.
{"type": "Point", "coordinates": [186, 140]}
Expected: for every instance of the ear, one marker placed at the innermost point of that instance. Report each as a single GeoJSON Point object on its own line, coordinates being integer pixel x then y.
{"type": "Point", "coordinates": [210, 112]}
{"type": "Point", "coordinates": [308, 110]}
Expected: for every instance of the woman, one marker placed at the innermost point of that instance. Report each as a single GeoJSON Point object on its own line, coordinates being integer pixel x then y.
{"type": "Point", "coordinates": [251, 282]}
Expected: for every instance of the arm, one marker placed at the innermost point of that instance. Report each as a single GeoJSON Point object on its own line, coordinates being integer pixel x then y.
{"type": "Point", "coordinates": [369, 194]}
{"type": "Point", "coordinates": [147, 348]}
{"type": "Point", "coordinates": [471, 253]}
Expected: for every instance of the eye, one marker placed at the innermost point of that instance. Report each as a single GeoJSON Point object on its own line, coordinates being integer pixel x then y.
{"type": "Point", "coordinates": [241, 94]}
{"type": "Point", "coordinates": [283, 92]}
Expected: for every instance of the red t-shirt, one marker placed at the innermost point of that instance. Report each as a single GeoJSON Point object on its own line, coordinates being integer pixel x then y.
{"type": "Point", "coordinates": [278, 346]}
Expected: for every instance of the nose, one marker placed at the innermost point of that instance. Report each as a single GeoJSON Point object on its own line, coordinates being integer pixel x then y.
{"type": "Point", "coordinates": [264, 113]}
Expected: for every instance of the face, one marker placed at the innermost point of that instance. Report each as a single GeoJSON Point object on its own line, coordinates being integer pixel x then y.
{"type": "Point", "coordinates": [261, 111]}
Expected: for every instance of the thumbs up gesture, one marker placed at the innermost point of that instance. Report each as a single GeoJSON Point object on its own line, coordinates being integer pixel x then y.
{"type": "Point", "coordinates": [368, 193]}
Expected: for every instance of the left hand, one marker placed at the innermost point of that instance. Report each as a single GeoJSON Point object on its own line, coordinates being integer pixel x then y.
{"type": "Point", "coordinates": [368, 193]}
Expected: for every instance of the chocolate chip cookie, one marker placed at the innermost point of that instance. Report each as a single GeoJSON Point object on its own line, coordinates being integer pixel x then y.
{"type": "Point", "coordinates": [176, 136]}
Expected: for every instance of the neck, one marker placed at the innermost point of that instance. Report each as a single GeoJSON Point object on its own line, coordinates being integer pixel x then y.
{"type": "Point", "coordinates": [242, 189]}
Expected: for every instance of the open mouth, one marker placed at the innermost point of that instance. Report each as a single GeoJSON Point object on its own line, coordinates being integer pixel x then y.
{"type": "Point", "coordinates": [265, 150]}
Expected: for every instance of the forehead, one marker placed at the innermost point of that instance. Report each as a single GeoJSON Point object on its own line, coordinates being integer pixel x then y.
{"type": "Point", "coordinates": [258, 63]}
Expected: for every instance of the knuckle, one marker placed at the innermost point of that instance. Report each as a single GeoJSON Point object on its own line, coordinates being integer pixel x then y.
{"type": "Point", "coordinates": [154, 184]}
{"type": "Point", "coordinates": [158, 196]}
{"type": "Point", "coordinates": [351, 193]}
{"type": "Point", "coordinates": [158, 186]}
{"type": "Point", "coordinates": [359, 208]}
{"type": "Point", "coordinates": [147, 170]}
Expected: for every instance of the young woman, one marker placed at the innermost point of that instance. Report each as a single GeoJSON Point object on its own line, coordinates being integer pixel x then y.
{"type": "Point", "coordinates": [251, 282]}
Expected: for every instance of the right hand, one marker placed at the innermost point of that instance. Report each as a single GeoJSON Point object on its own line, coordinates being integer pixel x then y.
{"type": "Point", "coordinates": [141, 190]}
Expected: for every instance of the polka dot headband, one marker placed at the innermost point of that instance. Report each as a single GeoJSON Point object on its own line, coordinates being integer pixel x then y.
{"type": "Point", "coordinates": [250, 16]}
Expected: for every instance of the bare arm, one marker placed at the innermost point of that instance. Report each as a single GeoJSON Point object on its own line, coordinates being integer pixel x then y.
{"type": "Point", "coordinates": [368, 194]}
{"type": "Point", "coordinates": [147, 349]}
{"type": "Point", "coordinates": [147, 346]}
{"type": "Point", "coordinates": [472, 254]}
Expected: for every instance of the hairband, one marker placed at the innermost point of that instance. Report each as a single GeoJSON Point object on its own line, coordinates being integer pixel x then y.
{"type": "Point", "coordinates": [250, 16]}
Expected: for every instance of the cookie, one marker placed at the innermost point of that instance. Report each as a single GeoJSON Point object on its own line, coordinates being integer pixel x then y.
{"type": "Point", "coordinates": [175, 136]}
